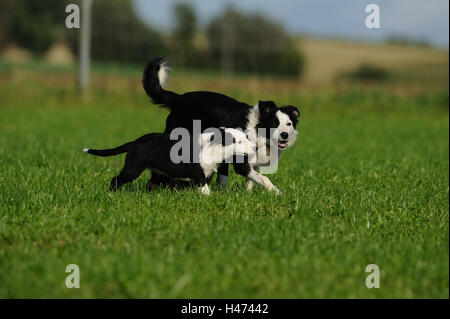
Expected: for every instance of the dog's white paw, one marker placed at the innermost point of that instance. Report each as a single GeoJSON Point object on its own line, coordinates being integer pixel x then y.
{"type": "Point", "coordinates": [276, 191]}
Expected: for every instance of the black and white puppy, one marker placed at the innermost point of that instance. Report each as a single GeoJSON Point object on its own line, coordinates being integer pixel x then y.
{"type": "Point", "coordinates": [216, 110]}
{"type": "Point", "coordinates": [153, 151]}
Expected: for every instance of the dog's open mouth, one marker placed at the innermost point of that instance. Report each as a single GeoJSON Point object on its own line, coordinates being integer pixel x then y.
{"type": "Point", "coordinates": [282, 144]}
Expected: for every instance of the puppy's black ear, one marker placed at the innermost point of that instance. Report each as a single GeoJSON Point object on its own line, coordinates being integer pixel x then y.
{"type": "Point", "coordinates": [266, 107]}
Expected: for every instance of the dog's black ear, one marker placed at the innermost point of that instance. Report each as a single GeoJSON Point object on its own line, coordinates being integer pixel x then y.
{"type": "Point", "coordinates": [266, 107]}
{"type": "Point", "coordinates": [292, 111]}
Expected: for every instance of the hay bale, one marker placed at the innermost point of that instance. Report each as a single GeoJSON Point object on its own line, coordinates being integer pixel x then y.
{"type": "Point", "coordinates": [14, 54]}
{"type": "Point", "coordinates": [60, 54]}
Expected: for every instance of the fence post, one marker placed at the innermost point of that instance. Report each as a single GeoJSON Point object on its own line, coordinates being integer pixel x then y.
{"type": "Point", "coordinates": [85, 44]}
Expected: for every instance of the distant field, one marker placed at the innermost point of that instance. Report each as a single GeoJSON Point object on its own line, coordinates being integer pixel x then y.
{"type": "Point", "coordinates": [366, 182]}
{"type": "Point", "coordinates": [328, 58]}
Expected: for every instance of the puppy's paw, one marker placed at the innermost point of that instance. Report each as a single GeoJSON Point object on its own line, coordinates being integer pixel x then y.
{"type": "Point", "coordinates": [204, 190]}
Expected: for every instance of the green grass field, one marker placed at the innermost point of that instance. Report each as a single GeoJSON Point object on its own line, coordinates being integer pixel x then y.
{"type": "Point", "coordinates": [367, 182]}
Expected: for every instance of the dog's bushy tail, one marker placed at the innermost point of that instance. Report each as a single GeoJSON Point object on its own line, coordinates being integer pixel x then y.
{"type": "Point", "coordinates": [108, 152]}
{"type": "Point", "coordinates": [154, 80]}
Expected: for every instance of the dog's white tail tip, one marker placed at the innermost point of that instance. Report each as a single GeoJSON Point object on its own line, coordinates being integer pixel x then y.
{"type": "Point", "coordinates": [85, 150]}
{"type": "Point", "coordinates": [163, 74]}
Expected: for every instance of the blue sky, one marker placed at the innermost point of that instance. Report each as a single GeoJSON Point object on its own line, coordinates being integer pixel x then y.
{"type": "Point", "coordinates": [418, 19]}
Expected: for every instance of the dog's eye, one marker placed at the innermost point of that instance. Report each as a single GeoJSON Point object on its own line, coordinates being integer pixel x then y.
{"type": "Point", "coordinates": [289, 123]}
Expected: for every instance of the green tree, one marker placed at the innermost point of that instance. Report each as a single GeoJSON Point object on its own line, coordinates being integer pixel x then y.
{"type": "Point", "coordinates": [31, 24]}
{"type": "Point", "coordinates": [183, 34]}
{"type": "Point", "coordinates": [6, 8]}
{"type": "Point", "coordinates": [118, 35]}
{"type": "Point", "coordinates": [251, 43]}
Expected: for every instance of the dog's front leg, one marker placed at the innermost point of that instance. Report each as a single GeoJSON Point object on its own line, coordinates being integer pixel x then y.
{"type": "Point", "coordinates": [249, 181]}
{"type": "Point", "coordinates": [247, 171]}
{"type": "Point", "coordinates": [263, 180]}
{"type": "Point", "coordinates": [249, 184]}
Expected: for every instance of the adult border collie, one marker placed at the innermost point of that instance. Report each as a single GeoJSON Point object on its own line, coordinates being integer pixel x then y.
{"type": "Point", "coordinates": [217, 110]}
{"type": "Point", "coordinates": [154, 151]}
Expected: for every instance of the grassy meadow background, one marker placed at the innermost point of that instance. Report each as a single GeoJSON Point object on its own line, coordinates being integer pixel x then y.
{"type": "Point", "coordinates": [367, 182]}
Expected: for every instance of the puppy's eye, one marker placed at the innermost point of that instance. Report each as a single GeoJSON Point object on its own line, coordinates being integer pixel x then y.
{"type": "Point", "coordinates": [289, 124]}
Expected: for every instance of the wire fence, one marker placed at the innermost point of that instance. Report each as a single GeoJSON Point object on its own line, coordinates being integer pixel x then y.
{"type": "Point", "coordinates": [232, 42]}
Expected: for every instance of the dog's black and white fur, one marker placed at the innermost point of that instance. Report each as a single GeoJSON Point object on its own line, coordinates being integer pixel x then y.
{"type": "Point", "coordinates": [152, 151]}
{"type": "Point", "coordinates": [216, 110]}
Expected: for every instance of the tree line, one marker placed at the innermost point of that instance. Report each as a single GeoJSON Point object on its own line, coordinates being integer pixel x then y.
{"type": "Point", "coordinates": [232, 41]}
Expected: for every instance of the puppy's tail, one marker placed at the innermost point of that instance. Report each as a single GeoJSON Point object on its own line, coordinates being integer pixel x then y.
{"type": "Point", "coordinates": [154, 80]}
{"type": "Point", "coordinates": [108, 152]}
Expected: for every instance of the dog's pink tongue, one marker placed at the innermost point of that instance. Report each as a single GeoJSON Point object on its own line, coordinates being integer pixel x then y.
{"type": "Point", "coordinates": [282, 144]}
